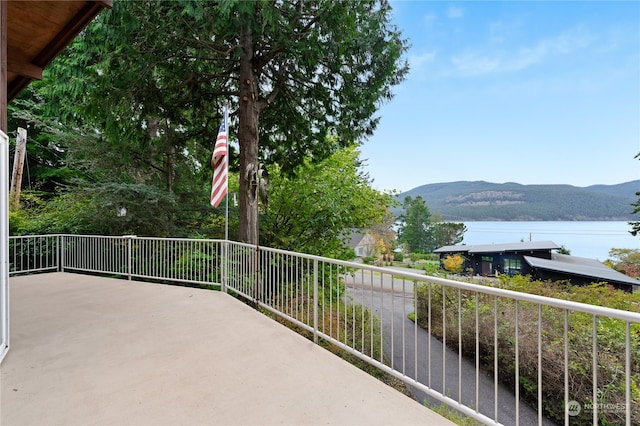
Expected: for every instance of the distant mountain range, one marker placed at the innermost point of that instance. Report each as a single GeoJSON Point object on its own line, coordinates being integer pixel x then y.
{"type": "Point", "coordinates": [486, 201]}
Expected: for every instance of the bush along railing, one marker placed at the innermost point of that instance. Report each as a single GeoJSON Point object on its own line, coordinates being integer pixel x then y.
{"type": "Point", "coordinates": [29, 254]}
{"type": "Point", "coordinates": [499, 356]}
{"type": "Point", "coordinates": [554, 355]}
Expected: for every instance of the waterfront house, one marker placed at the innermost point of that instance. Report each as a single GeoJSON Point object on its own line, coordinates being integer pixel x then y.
{"type": "Point", "coordinates": [538, 259]}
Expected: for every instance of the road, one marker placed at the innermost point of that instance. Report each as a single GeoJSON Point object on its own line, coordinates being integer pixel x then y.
{"type": "Point", "coordinates": [392, 307]}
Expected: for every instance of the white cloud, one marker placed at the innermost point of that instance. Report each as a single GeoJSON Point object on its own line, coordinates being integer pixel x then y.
{"type": "Point", "coordinates": [571, 40]}
{"type": "Point", "coordinates": [424, 58]}
{"type": "Point", "coordinates": [564, 44]}
{"type": "Point", "coordinates": [418, 61]}
{"type": "Point", "coordinates": [455, 12]}
{"type": "Point", "coordinates": [497, 32]}
{"type": "Point", "coordinates": [485, 61]}
{"type": "Point", "coordinates": [471, 64]}
{"type": "Point", "coordinates": [430, 19]}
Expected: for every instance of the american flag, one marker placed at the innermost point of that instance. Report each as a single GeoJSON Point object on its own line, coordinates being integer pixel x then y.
{"type": "Point", "coordinates": [219, 164]}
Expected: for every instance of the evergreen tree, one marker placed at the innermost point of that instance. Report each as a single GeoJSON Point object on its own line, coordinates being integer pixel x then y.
{"type": "Point", "coordinates": [447, 233]}
{"type": "Point", "coordinates": [150, 78]}
{"type": "Point", "coordinates": [635, 226]}
{"type": "Point", "coordinates": [415, 231]}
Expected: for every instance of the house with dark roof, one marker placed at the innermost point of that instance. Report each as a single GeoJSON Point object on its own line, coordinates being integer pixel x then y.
{"type": "Point", "coordinates": [536, 258]}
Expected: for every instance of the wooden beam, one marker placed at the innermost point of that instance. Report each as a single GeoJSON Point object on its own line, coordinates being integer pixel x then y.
{"type": "Point", "coordinates": [3, 67]}
{"type": "Point", "coordinates": [72, 28]}
{"type": "Point", "coordinates": [25, 69]}
{"type": "Point", "coordinates": [68, 33]}
{"type": "Point", "coordinates": [18, 167]}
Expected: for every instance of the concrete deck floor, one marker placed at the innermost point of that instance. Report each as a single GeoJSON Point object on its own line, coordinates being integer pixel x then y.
{"type": "Point", "coordinates": [87, 350]}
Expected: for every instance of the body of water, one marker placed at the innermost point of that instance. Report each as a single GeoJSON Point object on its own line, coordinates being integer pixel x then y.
{"type": "Point", "coordinates": [585, 239]}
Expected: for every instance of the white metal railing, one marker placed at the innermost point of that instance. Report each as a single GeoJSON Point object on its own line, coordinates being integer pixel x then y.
{"type": "Point", "coordinates": [33, 253]}
{"type": "Point", "coordinates": [528, 341]}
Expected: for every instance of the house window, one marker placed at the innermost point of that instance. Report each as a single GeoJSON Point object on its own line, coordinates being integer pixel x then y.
{"type": "Point", "coordinates": [512, 266]}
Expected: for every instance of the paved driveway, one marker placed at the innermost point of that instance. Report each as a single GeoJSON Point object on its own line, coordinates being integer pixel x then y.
{"type": "Point", "coordinates": [392, 301]}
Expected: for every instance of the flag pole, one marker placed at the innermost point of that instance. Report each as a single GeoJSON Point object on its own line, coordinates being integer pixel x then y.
{"type": "Point", "coordinates": [226, 214]}
{"type": "Point", "coordinates": [225, 251]}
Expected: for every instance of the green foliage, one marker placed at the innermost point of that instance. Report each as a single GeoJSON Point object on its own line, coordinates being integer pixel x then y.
{"type": "Point", "coordinates": [611, 341]}
{"type": "Point", "coordinates": [635, 225]}
{"type": "Point", "coordinates": [447, 233]}
{"type": "Point", "coordinates": [453, 415]}
{"type": "Point", "coordinates": [66, 213]}
{"type": "Point", "coordinates": [564, 250]}
{"type": "Point", "coordinates": [384, 236]}
{"type": "Point", "coordinates": [93, 210]}
{"type": "Point", "coordinates": [432, 267]}
{"type": "Point", "coordinates": [433, 257]}
{"type": "Point", "coordinates": [17, 221]}
{"type": "Point", "coordinates": [626, 261]}
{"type": "Point", "coordinates": [311, 210]}
{"type": "Point", "coordinates": [148, 78]}
{"type": "Point", "coordinates": [47, 142]}
{"type": "Point", "coordinates": [414, 230]}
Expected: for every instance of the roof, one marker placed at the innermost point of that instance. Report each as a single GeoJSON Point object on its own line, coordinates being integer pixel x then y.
{"type": "Point", "coordinates": [499, 248]}
{"type": "Point", "coordinates": [355, 239]}
{"type": "Point", "coordinates": [580, 266]}
{"type": "Point", "coordinates": [37, 31]}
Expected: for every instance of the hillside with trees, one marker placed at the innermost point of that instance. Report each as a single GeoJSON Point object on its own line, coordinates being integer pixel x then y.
{"type": "Point", "coordinates": [485, 201]}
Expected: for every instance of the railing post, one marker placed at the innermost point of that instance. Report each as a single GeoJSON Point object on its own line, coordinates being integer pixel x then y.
{"type": "Point", "coordinates": [315, 301]}
{"type": "Point", "coordinates": [256, 295]}
{"type": "Point", "coordinates": [224, 267]}
{"type": "Point", "coordinates": [61, 253]}
{"type": "Point", "coordinates": [129, 238]}
{"type": "Point", "coordinates": [58, 253]}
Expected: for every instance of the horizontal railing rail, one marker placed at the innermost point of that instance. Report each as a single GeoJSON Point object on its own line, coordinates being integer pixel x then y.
{"type": "Point", "coordinates": [498, 356]}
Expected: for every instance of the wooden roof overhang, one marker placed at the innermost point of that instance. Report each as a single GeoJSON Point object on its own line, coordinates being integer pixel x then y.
{"type": "Point", "coordinates": [37, 31]}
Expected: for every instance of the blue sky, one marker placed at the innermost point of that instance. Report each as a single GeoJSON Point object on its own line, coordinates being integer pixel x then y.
{"type": "Point", "coordinates": [527, 92]}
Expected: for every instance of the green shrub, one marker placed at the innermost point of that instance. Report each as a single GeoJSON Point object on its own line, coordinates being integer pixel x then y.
{"type": "Point", "coordinates": [611, 342]}
{"type": "Point", "coordinates": [423, 256]}
{"type": "Point", "coordinates": [432, 268]}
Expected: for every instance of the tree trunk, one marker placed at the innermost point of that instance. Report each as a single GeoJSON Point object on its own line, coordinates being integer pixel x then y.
{"type": "Point", "coordinates": [170, 167]}
{"type": "Point", "coordinates": [169, 158]}
{"type": "Point", "coordinates": [248, 116]}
